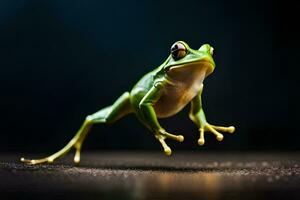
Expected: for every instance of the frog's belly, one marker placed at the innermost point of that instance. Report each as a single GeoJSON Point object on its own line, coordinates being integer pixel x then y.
{"type": "Point", "coordinates": [175, 98]}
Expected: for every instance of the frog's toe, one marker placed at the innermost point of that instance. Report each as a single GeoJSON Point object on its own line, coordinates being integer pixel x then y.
{"type": "Point", "coordinates": [37, 161]}
{"type": "Point", "coordinates": [212, 129]}
{"type": "Point", "coordinates": [178, 138]}
{"type": "Point", "coordinates": [220, 137]}
{"type": "Point", "coordinates": [229, 129]}
{"type": "Point", "coordinates": [167, 149]}
{"type": "Point", "coordinates": [201, 140]}
{"type": "Point", "coordinates": [77, 156]}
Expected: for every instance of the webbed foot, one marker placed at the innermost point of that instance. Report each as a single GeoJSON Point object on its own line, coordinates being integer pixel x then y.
{"type": "Point", "coordinates": [161, 135]}
{"type": "Point", "coordinates": [76, 143]}
{"type": "Point", "coordinates": [214, 129]}
{"type": "Point", "coordinates": [72, 144]}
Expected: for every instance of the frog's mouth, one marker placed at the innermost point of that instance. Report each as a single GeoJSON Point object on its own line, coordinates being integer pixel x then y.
{"type": "Point", "coordinates": [198, 65]}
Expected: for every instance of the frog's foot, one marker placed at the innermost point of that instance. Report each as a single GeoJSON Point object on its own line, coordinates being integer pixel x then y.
{"type": "Point", "coordinates": [74, 143]}
{"type": "Point", "coordinates": [214, 129]}
{"type": "Point", "coordinates": [162, 135]}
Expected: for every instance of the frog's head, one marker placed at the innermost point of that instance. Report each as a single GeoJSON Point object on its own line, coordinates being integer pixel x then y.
{"type": "Point", "coordinates": [183, 58]}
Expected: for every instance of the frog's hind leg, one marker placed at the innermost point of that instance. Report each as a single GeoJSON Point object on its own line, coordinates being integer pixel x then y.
{"type": "Point", "coordinates": [107, 115]}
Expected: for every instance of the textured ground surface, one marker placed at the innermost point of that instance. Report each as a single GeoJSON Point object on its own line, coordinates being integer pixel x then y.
{"type": "Point", "coordinates": [142, 175]}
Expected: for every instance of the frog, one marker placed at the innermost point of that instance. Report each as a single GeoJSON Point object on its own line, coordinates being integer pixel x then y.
{"type": "Point", "coordinates": [161, 93]}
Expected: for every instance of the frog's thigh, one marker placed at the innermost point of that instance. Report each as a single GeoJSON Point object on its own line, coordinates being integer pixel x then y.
{"type": "Point", "coordinates": [110, 114]}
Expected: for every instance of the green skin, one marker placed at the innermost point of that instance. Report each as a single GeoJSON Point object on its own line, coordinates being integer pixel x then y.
{"type": "Point", "coordinates": [161, 93]}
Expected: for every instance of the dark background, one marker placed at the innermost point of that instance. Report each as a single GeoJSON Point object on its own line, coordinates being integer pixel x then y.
{"type": "Point", "coordinates": [63, 60]}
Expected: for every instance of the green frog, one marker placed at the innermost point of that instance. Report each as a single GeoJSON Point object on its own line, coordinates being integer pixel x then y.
{"type": "Point", "coordinates": [160, 93]}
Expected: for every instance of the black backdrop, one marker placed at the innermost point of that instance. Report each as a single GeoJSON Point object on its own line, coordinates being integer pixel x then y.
{"type": "Point", "coordinates": [62, 60]}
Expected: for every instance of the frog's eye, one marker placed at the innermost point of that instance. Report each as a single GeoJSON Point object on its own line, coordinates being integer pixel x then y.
{"type": "Point", "coordinates": [178, 50]}
{"type": "Point", "coordinates": [211, 51]}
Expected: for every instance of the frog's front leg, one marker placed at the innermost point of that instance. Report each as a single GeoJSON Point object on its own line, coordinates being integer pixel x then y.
{"type": "Point", "coordinates": [148, 116]}
{"type": "Point", "coordinates": [198, 117]}
{"type": "Point", "coordinates": [106, 115]}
